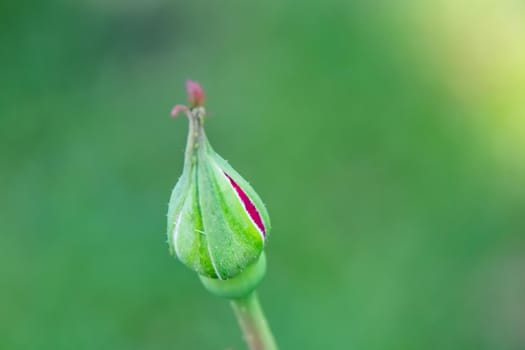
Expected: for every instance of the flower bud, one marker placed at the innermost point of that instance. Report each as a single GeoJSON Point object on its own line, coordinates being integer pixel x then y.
{"type": "Point", "coordinates": [217, 224]}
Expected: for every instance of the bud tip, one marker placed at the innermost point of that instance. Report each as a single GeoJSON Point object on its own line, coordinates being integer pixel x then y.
{"type": "Point", "coordinates": [195, 93]}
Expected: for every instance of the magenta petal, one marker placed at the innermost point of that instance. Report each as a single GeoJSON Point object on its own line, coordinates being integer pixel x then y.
{"type": "Point", "coordinates": [248, 205]}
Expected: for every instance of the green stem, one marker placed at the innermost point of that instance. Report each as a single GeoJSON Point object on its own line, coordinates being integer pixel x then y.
{"type": "Point", "coordinates": [253, 323]}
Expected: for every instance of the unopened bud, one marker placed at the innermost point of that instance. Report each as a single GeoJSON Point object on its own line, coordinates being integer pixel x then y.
{"type": "Point", "coordinates": [217, 224]}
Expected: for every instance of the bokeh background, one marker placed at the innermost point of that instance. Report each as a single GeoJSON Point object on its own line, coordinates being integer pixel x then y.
{"type": "Point", "coordinates": [386, 138]}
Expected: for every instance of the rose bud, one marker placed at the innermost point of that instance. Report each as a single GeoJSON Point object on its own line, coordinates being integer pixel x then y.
{"type": "Point", "coordinates": [217, 224]}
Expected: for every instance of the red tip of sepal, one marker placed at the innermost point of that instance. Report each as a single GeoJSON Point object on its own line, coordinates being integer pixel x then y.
{"type": "Point", "coordinates": [195, 93]}
{"type": "Point", "coordinates": [179, 109]}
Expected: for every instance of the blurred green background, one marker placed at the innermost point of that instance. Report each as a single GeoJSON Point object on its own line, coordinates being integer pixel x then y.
{"type": "Point", "coordinates": [386, 139]}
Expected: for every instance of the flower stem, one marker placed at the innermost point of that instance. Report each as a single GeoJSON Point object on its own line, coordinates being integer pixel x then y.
{"type": "Point", "coordinates": [253, 323]}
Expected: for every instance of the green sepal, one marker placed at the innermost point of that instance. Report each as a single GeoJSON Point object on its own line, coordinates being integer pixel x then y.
{"type": "Point", "coordinates": [239, 286]}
